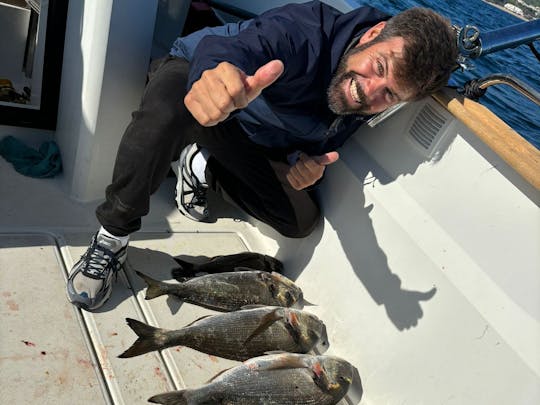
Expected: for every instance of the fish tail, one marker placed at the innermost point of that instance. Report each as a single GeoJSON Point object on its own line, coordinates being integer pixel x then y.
{"type": "Point", "coordinates": [155, 288]}
{"type": "Point", "coordinates": [150, 339]}
{"type": "Point", "coordinates": [172, 398]}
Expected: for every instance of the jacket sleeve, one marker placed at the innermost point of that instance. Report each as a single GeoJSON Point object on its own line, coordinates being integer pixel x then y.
{"type": "Point", "coordinates": [284, 33]}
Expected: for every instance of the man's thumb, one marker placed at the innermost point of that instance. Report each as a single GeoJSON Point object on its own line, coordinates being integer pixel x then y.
{"type": "Point", "coordinates": [327, 158]}
{"type": "Point", "coordinates": [263, 77]}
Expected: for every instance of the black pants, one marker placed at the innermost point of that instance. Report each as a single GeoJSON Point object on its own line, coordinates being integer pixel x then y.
{"type": "Point", "coordinates": [238, 168]}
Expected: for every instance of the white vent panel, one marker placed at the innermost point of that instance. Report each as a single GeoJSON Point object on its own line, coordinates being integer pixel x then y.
{"type": "Point", "coordinates": [427, 128]}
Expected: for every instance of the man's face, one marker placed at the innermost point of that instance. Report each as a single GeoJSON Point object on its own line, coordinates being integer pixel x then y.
{"type": "Point", "coordinates": [364, 81]}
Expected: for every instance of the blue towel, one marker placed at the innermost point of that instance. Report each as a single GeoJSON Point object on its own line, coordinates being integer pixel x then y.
{"type": "Point", "coordinates": [45, 162]}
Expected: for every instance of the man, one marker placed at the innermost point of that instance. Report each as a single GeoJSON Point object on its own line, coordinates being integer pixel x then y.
{"type": "Point", "coordinates": [255, 111]}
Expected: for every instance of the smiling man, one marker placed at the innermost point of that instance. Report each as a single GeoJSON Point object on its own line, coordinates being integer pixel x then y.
{"type": "Point", "coordinates": [255, 111]}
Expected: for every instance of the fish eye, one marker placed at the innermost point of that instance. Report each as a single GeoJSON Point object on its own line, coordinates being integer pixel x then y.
{"type": "Point", "coordinates": [289, 297]}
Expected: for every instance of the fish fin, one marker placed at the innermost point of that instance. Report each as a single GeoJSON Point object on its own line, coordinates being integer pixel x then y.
{"type": "Point", "coordinates": [253, 306]}
{"type": "Point", "coordinates": [148, 341]}
{"type": "Point", "coordinates": [283, 360]}
{"type": "Point", "coordinates": [155, 287]}
{"type": "Point", "coordinates": [275, 352]}
{"type": "Point", "coordinates": [218, 374]}
{"type": "Point", "coordinates": [171, 398]}
{"type": "Point", "coordinates": [197, 320]}
{"type": "Point", "coordinates": [244, 268]}
{"type": "Point", "coordinates": [292, 327]}
{"type": "Point", "coordinates": [265, 323]}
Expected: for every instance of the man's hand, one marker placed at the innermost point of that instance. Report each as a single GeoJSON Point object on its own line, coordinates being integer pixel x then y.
{"type": "Point", "coordinates": [309, 169]}
{"type": "Point", "coordinates": [226, 88]}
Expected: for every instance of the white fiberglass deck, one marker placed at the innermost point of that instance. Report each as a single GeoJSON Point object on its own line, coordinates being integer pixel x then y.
{"type": "Point", "coordinates": [426, 275]}
{"type": "Point", "coordinates": [52, 352]}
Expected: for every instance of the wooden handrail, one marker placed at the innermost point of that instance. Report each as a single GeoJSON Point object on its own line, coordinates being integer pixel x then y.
{"type": "Point", "coordinates": [519, 154]}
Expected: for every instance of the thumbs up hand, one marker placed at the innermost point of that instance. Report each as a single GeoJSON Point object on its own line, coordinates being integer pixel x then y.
{"type": "Point", "coordinates": [308, 169]}
{"type": "Point", "coordinates": [224, 89]}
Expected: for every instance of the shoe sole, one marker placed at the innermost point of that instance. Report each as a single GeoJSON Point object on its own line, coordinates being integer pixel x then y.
{"type": "Point", "coordinates": [87, 308]}
{"type": "Point", "coordinates": [179, 184]}
{"type": "Point", "coordinates": [93, 308]}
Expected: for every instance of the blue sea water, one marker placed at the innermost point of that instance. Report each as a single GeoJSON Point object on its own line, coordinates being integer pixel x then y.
{"type": "Point", "coordinates": [516, 110]}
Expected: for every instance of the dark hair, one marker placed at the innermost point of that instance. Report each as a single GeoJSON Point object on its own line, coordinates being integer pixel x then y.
{"type": "Point", "coordinates": [430, 51]}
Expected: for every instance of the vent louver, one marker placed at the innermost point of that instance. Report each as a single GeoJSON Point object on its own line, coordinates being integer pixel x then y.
{"type": "Point", "coordinates": [426, 126]}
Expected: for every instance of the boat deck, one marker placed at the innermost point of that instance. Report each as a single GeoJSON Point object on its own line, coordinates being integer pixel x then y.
{"type": "Point", "coordinates": [424, 273]}
{"type": "Point", "coordinates": [52, 352]}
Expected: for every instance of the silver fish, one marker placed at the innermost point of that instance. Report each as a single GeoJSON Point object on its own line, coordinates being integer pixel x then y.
{"type": "Point", "coordinates": [230, 291]}
{"type": "Point", "coordinates": [277, 379]}
{"type": "Point", "coordinates": [238, 335]}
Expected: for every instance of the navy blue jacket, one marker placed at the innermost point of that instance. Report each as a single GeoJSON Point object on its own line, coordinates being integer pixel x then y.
{"type": "Point", "coordinates": [310, 39]}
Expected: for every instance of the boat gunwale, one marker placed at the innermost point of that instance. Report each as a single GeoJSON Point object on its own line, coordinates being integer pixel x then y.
{"type": "Point", "coordinates": [502, 139]}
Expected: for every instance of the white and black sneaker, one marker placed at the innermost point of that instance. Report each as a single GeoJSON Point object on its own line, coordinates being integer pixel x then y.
{"type": "Point", "coordinates": [90, 281]}
{"type": "Point", "coordinates": [190, 191]}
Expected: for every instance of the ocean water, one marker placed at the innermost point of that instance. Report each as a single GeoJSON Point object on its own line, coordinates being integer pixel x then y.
{"type": "Point", "coordinates": [516, 110]}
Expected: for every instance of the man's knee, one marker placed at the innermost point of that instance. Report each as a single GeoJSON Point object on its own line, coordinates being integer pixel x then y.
{"type": "Point", "coordinates": [300, 228]}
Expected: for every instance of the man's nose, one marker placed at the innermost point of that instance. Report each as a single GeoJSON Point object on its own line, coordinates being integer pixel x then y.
{"type": "Point", "coordinates": [374, 86]}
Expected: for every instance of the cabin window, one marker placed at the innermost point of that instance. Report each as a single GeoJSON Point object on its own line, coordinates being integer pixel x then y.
{"type": "Point", "coordinates": [31, 48]}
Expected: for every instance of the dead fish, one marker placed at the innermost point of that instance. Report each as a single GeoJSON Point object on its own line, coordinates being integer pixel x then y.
{"type": "Point", "coordinates": [226, 263]}
{"type": "Point", "coordinates": [273, 379]}
{"type": "Point", "coordinates": [238, 335]}
{"type": "Point", "coordinates": [230, 291]}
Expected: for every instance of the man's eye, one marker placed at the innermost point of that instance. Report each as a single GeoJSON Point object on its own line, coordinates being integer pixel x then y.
{"type": "Point", "coordinates": [389, 95]}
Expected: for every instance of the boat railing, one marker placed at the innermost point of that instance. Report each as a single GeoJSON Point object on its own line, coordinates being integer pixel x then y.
{"type": "Point", "coordinates": [476, 88]}
{"type": "Point", "coordinates": [473, 43]}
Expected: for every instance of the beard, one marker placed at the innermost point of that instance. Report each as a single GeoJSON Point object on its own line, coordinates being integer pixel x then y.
{"type": "Point", "coordinates": [337, 100]}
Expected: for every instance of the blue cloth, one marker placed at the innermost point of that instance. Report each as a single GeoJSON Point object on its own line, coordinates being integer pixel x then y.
{"type": "Point", "coordinates": [45, 162]}
{"type": "Point", "coordinates": [310, 39]}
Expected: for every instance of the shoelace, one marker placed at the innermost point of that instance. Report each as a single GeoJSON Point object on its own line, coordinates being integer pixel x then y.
{"type": "Point", "coordinates": [199, 196]}
{"type": "Point", "coordinates": [197, 189]}
{"type": "Point", "coordinates": [99, 261]}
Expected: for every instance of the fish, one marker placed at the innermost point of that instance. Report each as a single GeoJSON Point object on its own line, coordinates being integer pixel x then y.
{"type": "Point", "coordinates": [283, 379]}
{"type": "Point", "coordinates": [238, 335]}
{"type": "Point", "coordinates": [230, 291]}
{"type": "Point", "coordinates": [226, 263]}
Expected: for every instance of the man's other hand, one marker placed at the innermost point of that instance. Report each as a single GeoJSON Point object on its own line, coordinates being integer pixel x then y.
{"type": "Point", "coordinates": [309, 169]}
{"type": "Point", "coordinates": [224, 89]}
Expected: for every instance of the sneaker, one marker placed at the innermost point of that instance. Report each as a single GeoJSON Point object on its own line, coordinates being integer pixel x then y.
{"type": "Point", "coordinates": [190, 192]}
{"type": "Point", "coordinates": [90, 281]}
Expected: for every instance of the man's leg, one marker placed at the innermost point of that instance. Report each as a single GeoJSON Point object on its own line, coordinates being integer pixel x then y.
{"type": "Point", "coordinates": [152, 140]}
{"type": "Point", "coordinates": [157, 133]}
{"type": "Point", "coordinates": [239, 168]}
{"type": "Point", "coordinates": [245, 174]}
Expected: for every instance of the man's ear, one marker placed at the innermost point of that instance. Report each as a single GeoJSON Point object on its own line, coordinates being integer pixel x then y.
{"type": "Point", "coordinates": [373, 32]}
